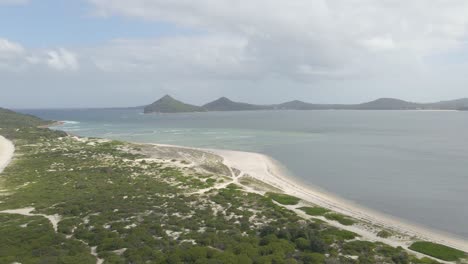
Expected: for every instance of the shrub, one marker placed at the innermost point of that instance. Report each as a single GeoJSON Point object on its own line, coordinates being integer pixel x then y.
{"type": "Point", "coordinates": [358, 247]}
{"type": "Point", "coordinates": [339, 234]}
{"type": "Point", "coordinates": [340, 219]}
{"type": "Point", "coordinates": [283, 198]}
{"type": "Point", "coordinates": [384, 234]}
{"type": "Point", "coordinates": [314, 211]}
{"type": "Point", "coordinates": [438, 251]}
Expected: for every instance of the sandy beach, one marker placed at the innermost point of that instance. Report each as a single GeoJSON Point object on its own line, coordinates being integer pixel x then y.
{"type": "Point", "coordinates": [6, 152]}
{"type": "Point", "coordinates": [269, 171]}
{"type": "Point", "coordinates": [265, 169]}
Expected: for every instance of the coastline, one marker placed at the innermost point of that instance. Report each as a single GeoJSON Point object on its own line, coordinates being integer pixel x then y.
{"type": "Point", "coordinates": [6, 152]}
{"type": "Point", "coordinates": [55, 123]}
{"type": "Point", "coordinates": [265, 169]}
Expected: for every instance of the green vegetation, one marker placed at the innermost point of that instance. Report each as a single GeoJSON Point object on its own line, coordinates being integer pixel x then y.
{"type": "Point", "coordinates": [344, 220]}
{"type": "Point", "coordinates": [283, 198]}
{"type": "Point", "coordinates": [438, 251]}
{"type": "Point", "coordinates": [335, 234]}
{"type": "Point", "coordinates": [384, 234]}
{"type": "Point", "coordinates": [32, 240]}
{"type": "Point", "coordinates": [320, 211]}
{"type": "Point", "coordinates": [315, 211]}
{"type": "Point", "coordinates": [114, 200]}
{"type": "Point", "coordinates": [10, 119]}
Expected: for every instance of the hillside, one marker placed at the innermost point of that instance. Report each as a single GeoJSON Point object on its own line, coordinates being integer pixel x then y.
{"type": "Point", "coordinates": [224, 104]}
{"type": "Point", "coordinates": [450, 105]}
{"type": "Point", "coordinates": [388, 104]}
{"type": "Point", "coordinates": [10, 119]}
{"type": "Point", "coordinates": [300, 105]}
{"type": "Point", "coordinates": [296, 105]}
{"type": "Point", "coordinates": [167, 104]}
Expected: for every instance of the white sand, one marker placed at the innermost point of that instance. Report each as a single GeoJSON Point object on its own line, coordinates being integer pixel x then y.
{"type": "Point", "coordinates": [6, 152]}
{"type": "Point", "coordinates": [54, 219]}
{"type": "Point", "coordinates": [269, 171]}
{"type": "Point", "coordinates": [265, 169]}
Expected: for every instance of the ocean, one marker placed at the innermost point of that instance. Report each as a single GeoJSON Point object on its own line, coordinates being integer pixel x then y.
{"type": "Point", "coordinates": [408, 164]}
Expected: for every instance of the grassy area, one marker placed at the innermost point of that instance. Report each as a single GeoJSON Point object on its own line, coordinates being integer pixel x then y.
{"type": "Point", "coordinates": [283, 198]}
{"type": "Point", "coordinates": [438, 251]}
{"type": "Point", "coordinates": [344, 220]}
{"type": "Point", "coordinates": [9, 118]}
{"type": "Point", "coordinates": [335, 234]}
{"type": "Point", "coordinates": [320, 211]}
{"type": "Point", "coordinates": [315, 211]}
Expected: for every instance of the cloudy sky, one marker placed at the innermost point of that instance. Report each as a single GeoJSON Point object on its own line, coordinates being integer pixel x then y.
{"type": "Point", "coordinates": [101, 53]}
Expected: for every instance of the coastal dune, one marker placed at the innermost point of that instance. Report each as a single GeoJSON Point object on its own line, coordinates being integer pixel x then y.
{"type": "Point", "coordinates": [265, 169]}
{"type": "Point", "coordinates": [6, 152]}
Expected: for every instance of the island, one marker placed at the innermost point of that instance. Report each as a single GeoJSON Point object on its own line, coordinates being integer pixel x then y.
{"type": "Point", "coordinates": [168, 104]}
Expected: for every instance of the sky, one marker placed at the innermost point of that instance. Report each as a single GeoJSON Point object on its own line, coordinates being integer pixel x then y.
{"type": "Point", "coordinates": [118, 53]}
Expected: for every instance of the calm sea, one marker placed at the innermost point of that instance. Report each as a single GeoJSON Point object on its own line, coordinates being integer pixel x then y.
{"type": "Point", "coordinates": [409, 164]}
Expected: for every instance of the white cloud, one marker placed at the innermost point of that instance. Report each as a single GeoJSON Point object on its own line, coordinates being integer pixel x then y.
{"type": "Point", "coordinates": [258, 46]}
{"type": "Point", "coordinates": [10, 48]}
{"type": "Point", "coordinates": [62, 60]}
{"type": "Point", "coordinates": [14, 57]}
{"type": "Point", "coordinates": [379, 43]}
{"type": "Point", "coordinates": [11, 55]}
{"type": "Point", "coordinates": [174, 57]}
{"type": "Point", "coordinates": [327, 37]}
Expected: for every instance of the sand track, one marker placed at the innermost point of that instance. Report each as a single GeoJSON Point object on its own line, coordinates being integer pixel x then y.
{"type": "Point", "coordinates": [7, 149]}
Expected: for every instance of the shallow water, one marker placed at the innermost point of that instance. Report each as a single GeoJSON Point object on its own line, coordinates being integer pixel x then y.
{"type": "Point", "coordinates": [409, 164]}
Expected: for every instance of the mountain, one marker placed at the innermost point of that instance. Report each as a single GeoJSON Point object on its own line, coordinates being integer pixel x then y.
{"type": "Point", "coordinates": [450, 105]}
{"type": "Point", "coordinates": [388, 104]}
{"type": "Point", "coordinates": [300, 105]}
{"type": "Point", "coordinates": [224, 104]}
{"type": "Point", "coordinates": [167, 104]}
{"type": "Point", "coordinates": [295, 105]}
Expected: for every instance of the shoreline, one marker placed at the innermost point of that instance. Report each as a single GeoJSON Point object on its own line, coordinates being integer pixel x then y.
{"type": "Point", "coordinates": [274, 175]}
{"type": "Point", "coordinates": [265, 169]}
{"type": "Point", "coordinates": [7, 150]}
{"type": "Point", "coordinates": [53, 124]}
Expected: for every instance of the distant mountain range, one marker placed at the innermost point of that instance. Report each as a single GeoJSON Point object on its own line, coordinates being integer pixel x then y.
{"type": "Point", "coordinates": [167, 104]}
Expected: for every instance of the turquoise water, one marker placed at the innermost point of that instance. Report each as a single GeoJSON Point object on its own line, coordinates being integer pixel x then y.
{"type": "Point", "coordinates": [409, 164]}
